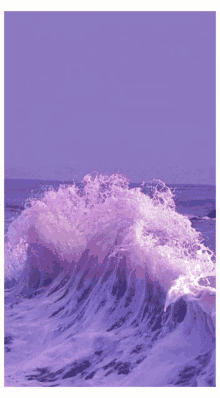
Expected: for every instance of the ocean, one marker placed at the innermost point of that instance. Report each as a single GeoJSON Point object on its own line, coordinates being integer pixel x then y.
{"type": "Point", "coordinates": [109, 284]}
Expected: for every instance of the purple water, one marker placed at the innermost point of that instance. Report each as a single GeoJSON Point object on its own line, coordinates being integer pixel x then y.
{"type": "Point", "coordinates": [109, 284]}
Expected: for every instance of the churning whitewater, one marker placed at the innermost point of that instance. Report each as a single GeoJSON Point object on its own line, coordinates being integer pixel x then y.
{"type": "Point", "coordinates": [108, 286]}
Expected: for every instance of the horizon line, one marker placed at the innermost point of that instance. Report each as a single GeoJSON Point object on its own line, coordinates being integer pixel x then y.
{"type": "Point", "coordinates": [72, 182]}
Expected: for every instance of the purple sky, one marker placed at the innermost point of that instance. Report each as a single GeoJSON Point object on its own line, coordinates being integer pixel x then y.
{"type": "Point", "coordinates": [131, 92]}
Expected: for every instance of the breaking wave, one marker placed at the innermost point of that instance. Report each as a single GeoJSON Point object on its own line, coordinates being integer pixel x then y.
{"type": "Point", "coordinates": [117, 267]}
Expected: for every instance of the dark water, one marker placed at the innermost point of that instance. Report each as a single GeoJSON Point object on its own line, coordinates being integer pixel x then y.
{"type": "Point", "coordinates": [109, 286]}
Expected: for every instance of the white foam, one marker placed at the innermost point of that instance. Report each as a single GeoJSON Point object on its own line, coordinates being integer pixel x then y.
{"type": "Point", "coordinates": [149, 231]}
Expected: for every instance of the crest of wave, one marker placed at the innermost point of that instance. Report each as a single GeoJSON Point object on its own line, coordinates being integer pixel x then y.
{"type": "Point", "coordinates": [106, 216]}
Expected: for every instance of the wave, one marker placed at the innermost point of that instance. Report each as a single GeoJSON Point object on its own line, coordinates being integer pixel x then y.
{"type": "Point", "coordinates": [121, 269]}
{"type": "Point", "coordinates": [14, 207]}
{"type": "Point", "coordinates": [193, 217]}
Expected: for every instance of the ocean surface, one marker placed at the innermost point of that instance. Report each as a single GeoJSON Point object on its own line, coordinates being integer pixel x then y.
{"type": "Point", "coordinates": [109, 283]}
